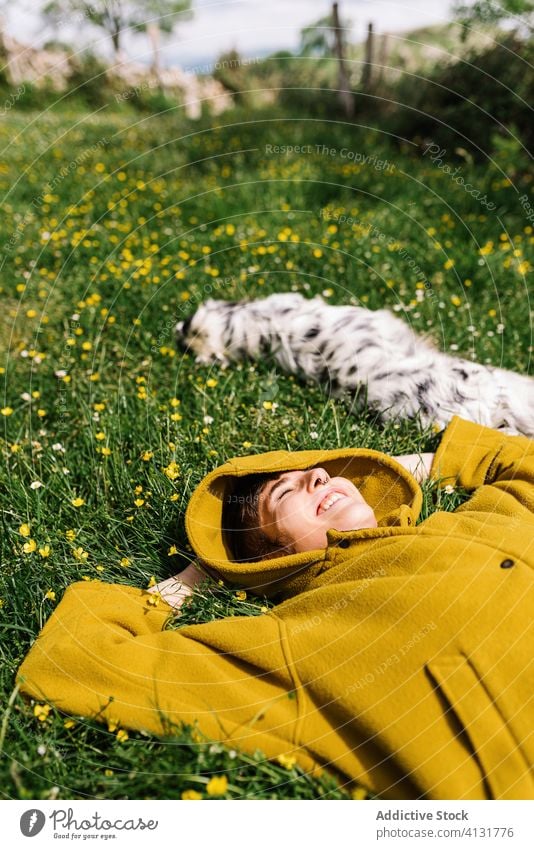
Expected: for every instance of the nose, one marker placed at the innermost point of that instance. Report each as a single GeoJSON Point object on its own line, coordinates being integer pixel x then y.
{"type": "Point", "coordinates": [317, 477]}
{"type": "Point", "coordinates": [181, 331]}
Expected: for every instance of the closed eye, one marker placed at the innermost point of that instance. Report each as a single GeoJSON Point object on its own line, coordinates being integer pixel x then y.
{"type": "Point", "coordinates": [282, 494]}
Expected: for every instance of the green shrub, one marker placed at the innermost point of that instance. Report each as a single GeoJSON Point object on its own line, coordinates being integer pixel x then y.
{"type": "Point", "coordinates": [88, 81]}
{"type": "Point", "coordinates": [470, 102]}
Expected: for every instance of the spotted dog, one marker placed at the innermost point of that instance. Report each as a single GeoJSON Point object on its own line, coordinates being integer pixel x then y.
{"type": "Point", "coordinates": [371, 355]}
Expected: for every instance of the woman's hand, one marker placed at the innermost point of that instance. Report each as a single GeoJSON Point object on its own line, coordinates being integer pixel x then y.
{"type": "Point", "coordinates": [418, 465]}
{"type": "Point", "coordinates": [176, 589]}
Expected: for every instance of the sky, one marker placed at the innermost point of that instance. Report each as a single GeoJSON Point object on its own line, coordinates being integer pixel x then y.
{"type": "Point", "coordinates": [253, 27]}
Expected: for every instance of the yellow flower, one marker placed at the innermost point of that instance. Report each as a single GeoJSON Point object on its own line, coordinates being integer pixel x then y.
{"type": "Point", "coordinates": [41, 712]}
{"type": "Point", "coordinates": [247, 444]}
{"type": "Point", "coordinates": [41, 413]}
{"type": "Point", "coordinates": [44, 551]}
{"type": "Point", "coordinates": [69, 723]}
{"type": "Point", "coordinates": [24, 530]}
{"type": "Point", "coordinates": [211, 382]}
{"type": "Point", "coordinates": [122, 735]}
{"type": "Point", "coordinates": [190, 795]}
{"type": "Point", "coordinates": [486, 249]}
{"type": "Point", "coordinates": [359, 793]}
{"type": "Point", "coordinates": [6, 411]}
{"type": "Point", "coordinates": [448, 264]}
{"type": "Point", "coordinates": [267, 405]}
{"type": "Point", "coordinates": [175, 402]}
{"type": "Point", "coordinates": [100, 435]}
{"type": "Point", "coordinates": [174, 497]}
{"type": "Point", "coordinates": [147, 455]}
{"type": "Point", "coordinates": [153, 599]}
{"type": "Point", "coordinates": [241, 595]}
{"type": "Point", "coordinates": [105, 451]}
{"type": "Point", "coordinates": [456, 301]}
{"type": "Point", "coordinates": [176, 417]}
{"type": "Point", "coordinates": [124, 561]}
{"type": "Point", "coordinates": [108, 773]}
{"type": "Point", "coordinates": [172, 471]}
{"type": "Point", "coordinates": [139, 502]}
{"type": "Point", "coordinates": [317, 253]}
{"type": "Point", "coordinates": [50, 595]}
{"type": "Point", "coordinates": [29, 546]}
{"type": "Point", "coordinates": [15, 448]}
{"type": "Point", "coordinates": [217, 785]}
{"type": "Point", "coordinates": [78, 502]}
{"type": "Point", "coordinates": [172, 550]}
{"type": "Point", "coordinates": [113, 724]}
{"type": "Point", "coordinates": [80, 554]}
{"type": "Point", "coordinates": [99, 406]}
{"type": "Point", "coordinates": [287, 761]}
{"type": "Point", "coordinates": [71, 535]}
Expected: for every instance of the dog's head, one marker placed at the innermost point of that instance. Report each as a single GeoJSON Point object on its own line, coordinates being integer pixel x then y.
{"type": "Point", "coordinates": [221, 331]}
{"type": "Point", "coordinates": [202, 334]}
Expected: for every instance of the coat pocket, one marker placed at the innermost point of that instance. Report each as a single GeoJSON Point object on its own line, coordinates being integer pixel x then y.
{"type": "Point", "coordinates": [504, 767]}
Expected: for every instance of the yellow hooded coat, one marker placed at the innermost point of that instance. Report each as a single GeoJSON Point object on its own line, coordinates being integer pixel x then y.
{"type": "Point", "coordinates": [400, 656]}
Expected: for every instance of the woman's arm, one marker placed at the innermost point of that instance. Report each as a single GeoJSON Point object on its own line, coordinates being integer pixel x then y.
{"type": "Point", "coordinates": [105, 653]}
{"type": "Point", "coordinates": [418, 465]}
{"type": "Point", "coordinates": [176, 589]}
{"type": "Point", "coordinates": [501, 467]}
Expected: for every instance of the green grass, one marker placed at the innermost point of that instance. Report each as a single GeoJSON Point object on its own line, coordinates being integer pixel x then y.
{"type": "Point", "coordinates": [145, 217]}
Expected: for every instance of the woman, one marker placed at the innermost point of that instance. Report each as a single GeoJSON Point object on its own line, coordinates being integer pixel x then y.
{"type": "Point", "coordinates": [399, 655]}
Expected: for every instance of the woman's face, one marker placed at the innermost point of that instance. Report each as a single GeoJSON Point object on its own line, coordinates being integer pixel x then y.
{"type": "Point", "coordinates": [297, 508]}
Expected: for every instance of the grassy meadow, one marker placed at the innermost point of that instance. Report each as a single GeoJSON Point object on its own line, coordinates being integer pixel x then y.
{"type": "Point", "coordinates": [114, 227]}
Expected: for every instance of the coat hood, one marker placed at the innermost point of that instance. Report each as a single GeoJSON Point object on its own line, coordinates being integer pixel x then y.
{"type": "Point", "coordinates": [388, 488]}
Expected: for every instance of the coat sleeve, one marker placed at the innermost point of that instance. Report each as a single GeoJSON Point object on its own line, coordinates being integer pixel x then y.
{"type": "Point", "coordinates": [104, 654]}
{"type": "Point", "coordinates": [472, 456]}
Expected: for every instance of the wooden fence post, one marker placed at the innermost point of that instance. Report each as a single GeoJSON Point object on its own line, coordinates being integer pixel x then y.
{"type": "Point", "coordinates": [345, 93]}
{"type": "Point", "coordinates": [367, 70]}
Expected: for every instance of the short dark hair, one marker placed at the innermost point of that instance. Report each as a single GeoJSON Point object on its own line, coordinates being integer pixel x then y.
{"type": "Point", "coordinates": [241, 521]}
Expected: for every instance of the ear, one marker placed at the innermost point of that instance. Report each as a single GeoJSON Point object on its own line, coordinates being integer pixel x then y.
{"type": "Point", "coordinates": [179, 327]}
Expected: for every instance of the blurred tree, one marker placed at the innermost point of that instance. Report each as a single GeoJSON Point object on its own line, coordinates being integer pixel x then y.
{"type": "Point", "coordinates": [228, 70]}
{"type": "Point", "coordinates": [325, 38]}
{"type": "Point", "coordinates": [491, 12]}
{"type": "Point", "coordinates": [318, 39]}
{"type": "Point", "coordinates": [114, 16]}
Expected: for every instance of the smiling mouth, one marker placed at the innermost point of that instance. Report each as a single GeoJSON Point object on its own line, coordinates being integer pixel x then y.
{"type": "Point", "coordinates": [329, 501]}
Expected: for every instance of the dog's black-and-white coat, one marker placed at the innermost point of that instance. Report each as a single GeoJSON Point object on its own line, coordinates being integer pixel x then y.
{"type": "Point", "coordinates": [348, 347]}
